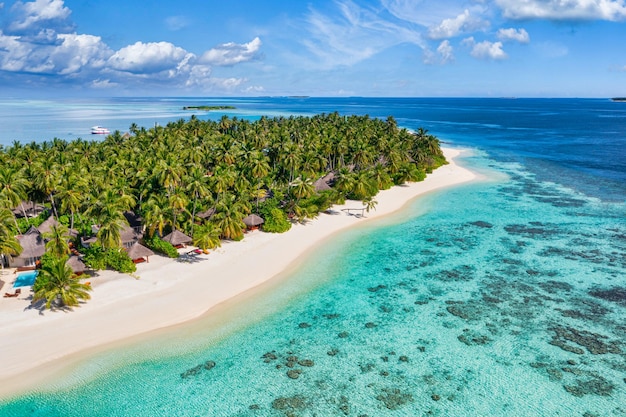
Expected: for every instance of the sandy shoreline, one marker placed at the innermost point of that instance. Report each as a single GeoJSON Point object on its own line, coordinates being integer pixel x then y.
{"type": "Point", "coordinates": [169, 292]}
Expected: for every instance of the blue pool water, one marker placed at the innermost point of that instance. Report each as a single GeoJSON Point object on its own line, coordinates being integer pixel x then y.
{"type": "Point", "coordinates": [505, 297]}
{"type": "Point", "coordinates": [25, 279]}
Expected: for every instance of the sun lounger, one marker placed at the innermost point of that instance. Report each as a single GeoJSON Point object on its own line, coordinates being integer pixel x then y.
{"type": "Point", "coordinates": [15, 294]}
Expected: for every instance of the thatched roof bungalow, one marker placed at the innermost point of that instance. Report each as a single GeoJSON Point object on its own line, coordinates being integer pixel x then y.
{"type": "Point", "coordinates": [253, 221]}
{"type": "Point", "coordinates": [47, 225]}
{"type": "Point", "coordinates": [177, 238]}
{"type": "Point", "coordinates": [33, 248]}
{"type": "Point", "coordinates": [139, 253]}
{"type": "Point", "coordinates": [129, 236]}
{"type": "Point", "coordinates": [77, 265]}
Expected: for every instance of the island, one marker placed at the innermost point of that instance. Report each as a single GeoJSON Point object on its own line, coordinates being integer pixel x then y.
{"type": "Point", "coordinates": [207, 108]}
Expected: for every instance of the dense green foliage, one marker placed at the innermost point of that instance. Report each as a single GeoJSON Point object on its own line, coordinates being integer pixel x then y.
{"type": "Point", "coordinates": [170, 174]}
{"type": "Point", "coordinates": [96, 257]}
{"type": "Point", "coordinates": [161, 246]}
{"type": "Point", "coordinates": [275, 221]}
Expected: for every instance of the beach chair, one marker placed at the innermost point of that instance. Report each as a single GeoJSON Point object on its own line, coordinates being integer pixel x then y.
{"type": "Point", "coordinates": [15, 294]}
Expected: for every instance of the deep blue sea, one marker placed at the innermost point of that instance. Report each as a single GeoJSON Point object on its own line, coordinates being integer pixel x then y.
{"type": "Point", "coordinates": [505, 297]}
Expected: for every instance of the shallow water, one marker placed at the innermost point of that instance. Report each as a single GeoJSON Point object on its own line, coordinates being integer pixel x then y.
{"type": "Point", "coordinates": [502, 298]}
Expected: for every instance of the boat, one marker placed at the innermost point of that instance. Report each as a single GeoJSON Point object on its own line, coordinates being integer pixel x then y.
{"type": "Point", "coordinates": [99, 130]}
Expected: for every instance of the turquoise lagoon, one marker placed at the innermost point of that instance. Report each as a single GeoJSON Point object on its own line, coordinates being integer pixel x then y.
{"type": "Point", "coordinates": [505, 297]}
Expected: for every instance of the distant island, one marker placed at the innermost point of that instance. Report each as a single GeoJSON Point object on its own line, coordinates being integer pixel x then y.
{"type": "Point", "coordinates": [208, 108]}
{"type": "Point", "coordinates": [618, 99]}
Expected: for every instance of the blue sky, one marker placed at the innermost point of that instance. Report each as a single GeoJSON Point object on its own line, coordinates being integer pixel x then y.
{"type": "Point", "coordinates": [421, 48]}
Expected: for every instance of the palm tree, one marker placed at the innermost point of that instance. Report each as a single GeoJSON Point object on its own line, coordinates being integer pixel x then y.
{"type": "Point", "coordinates": [9, 245]}
{"type": "Point", "coordinates": [13, 188]}
{"type": "Point", "coordinates": [207, 236]}
{"type": "Point", "coordinates": [57, 283]}
{"type": "Point", "coordinates": [47, 179]}
{"type": "Point", "coordinates": [155, 214]}
{"type": "Point", "coordinates": [197, 185]}
{"type": "Point", "coordinates": [58, 240]}
{"type": "Point", "coordinates": [112, 222]}
{"type": "Point", "coordinates": [71, 192]}
{"type": "Point", "coordinates": [369, 203]}
{"type": "Point", "coordinates": [228, 218]}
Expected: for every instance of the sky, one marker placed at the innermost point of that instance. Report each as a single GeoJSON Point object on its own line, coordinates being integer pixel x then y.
{"type": "Point", "coordinates": [377, 48]}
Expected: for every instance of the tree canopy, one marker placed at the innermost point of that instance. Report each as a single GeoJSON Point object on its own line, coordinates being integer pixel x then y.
{"type": "Point", "coordinates": [169, 174]}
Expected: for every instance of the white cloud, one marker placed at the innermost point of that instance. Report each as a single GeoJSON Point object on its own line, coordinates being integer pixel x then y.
{"type": "Point", "coordinates": [33, 16]}
{"type": "Point", "coordinates": [254, 89]}
{"type": "Point", "coordinates": [485, 49]}
{"type": "Point", "coordinates": [103, 84]}
{"type": "Point", "coordinates": [231, 53]}
{"type": "Point", "coordinates": [563, 9]}
{"type": "Point", "coordinates": [463, 23]}
{"type": "Point", "coordinates": [148, 58]}
{"type": "Point", "coordinates": [445, 51]}
{"type": "Point", "coordinates": [519, 35]}
{"type": "Point", "coordinates": [73, 53]}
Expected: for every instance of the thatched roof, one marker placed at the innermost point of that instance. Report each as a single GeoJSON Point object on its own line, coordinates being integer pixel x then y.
{"type": "Point", "coordinates": [76, 264]}
{"type": "Point", "coordinates": [46, 226]}
{"type": "Point", "coordinates": [32, 244]}
{"type": "Point", "coordinates": [137, 250]}
{"type": "Point", "coordinates": [177, 238]}
{"type": "Point", "coordinates": [206, 214]}
{"type": "Point", "coordinates": [321, 185]}
{"type": "Point", "coordinates": [129, 235]}
{"type": "Point", "coordinates": [31, 209]}
{"type": "Point", "coordinates": [253, 220]}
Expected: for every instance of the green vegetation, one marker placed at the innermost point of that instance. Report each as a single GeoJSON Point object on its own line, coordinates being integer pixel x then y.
{"type": "Point", "coordinates": [208, 108]}
{"type": "Point", "coordinates": [161, 246]}
{"type": "Point", "coordinates": [231, 168]}
{"type": "Point", "coordinates": [97, 257]}
{"type": "Point", "coordinates": [57, 285]}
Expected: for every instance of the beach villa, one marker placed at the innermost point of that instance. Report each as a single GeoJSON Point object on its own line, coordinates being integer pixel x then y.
{"type": "Point", "coordinates": [33, 248]}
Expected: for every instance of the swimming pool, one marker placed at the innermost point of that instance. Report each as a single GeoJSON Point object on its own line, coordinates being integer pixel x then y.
{"type": "Point", "coordinates": [25, 279]}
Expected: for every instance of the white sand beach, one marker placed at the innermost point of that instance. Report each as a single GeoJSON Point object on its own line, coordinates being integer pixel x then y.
{"type": "Point", "coordinates": [167, 292]}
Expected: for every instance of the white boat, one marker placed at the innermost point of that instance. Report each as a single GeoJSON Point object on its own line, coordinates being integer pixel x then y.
{"type": "Point", "coordinates": [99, 130]}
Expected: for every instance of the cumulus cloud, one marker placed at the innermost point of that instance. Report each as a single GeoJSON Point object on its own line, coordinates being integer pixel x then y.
{"type": "Point", "coordinates": [38, 41]}
{"type": "Point", "coordinates": [231, 53]}
{"type": "Point", "coordinates": [485, 49]}
{"type": "Point", "coordinates": [148, 58]}
{"type": "Point", "coordinates": [73, 54]}
{"type": "Point", "coordinates": [612, 10]}
{"type": "Point", "coordinates": [511, 34]}
{"type": "Point", "coordinates": [33, 17]}
{"type": "Point", "coordinates": [463, 23]}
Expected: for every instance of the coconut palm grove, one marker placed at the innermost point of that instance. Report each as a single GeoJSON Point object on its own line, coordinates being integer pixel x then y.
{"type": "Point", "coordinates": [199, 177]}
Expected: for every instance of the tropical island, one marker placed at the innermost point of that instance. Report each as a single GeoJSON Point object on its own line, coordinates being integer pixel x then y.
{"type": "Point", "coordinates": [110, 203]}
{"type": "Point", "coordinates": [208, 108]}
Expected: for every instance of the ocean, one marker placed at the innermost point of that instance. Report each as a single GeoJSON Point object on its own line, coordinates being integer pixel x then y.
{"type": "Point", "coordinates": [504, 297]}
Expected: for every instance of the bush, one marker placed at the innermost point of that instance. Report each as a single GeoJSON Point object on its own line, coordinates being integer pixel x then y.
{"type": "Point", "coordinates": [161, 246]}
{"type": "Point", "coordinates": [275, 221]}
{"type": "Point", "coordinates": [94, 257]}
{"type": "Point", "coordinates": [116, 259]}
